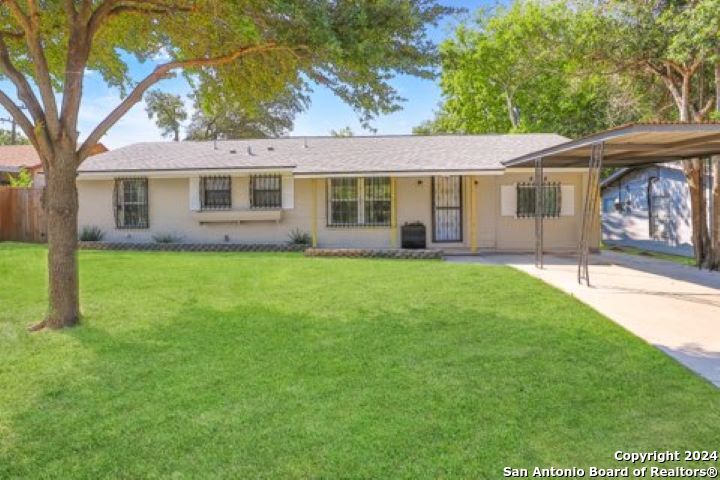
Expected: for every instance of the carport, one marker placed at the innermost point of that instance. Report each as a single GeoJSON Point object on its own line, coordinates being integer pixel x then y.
{"type": "Point", "coordinates": [625, 146]}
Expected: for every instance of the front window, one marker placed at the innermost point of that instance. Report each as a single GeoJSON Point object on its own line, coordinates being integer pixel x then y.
{"type": "Point", "coordinates": [215, 193]}
{"type": "Point", "coordinates": [550, 199]}
{"type": "Point", "coordinates": [359, 202]}
{"type": "Point", "coordinates": [265, 191]}
{"type": "Point", "coordinates": [131, 203]}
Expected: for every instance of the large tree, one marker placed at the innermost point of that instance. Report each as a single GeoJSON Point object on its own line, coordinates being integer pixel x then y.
{"type": "Point", "coordinates": [513, 70]}
{"type": "Point", "coordinates": [168, 110]}
{"type": "Point", "coordinates": [252, 48]}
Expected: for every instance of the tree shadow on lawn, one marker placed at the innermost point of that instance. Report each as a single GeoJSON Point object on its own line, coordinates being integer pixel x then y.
{"type": "Point", "coordinates": [252, 391]}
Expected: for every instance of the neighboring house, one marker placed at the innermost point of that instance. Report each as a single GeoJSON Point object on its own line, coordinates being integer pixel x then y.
{"type": "Point", "coordinates": [14, 158]}
{"type": "Point", "coordinates": [345, 192]}
{"type": "Point", "coordinates": [648, 207]}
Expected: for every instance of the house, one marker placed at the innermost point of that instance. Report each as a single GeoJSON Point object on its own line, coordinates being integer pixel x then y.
{"type": "Point", "coordinates": [648, 207]}
{"type": "Point", "coordinates": [344, 192]}
{"type": "Point", "coordinates": [15, 158]}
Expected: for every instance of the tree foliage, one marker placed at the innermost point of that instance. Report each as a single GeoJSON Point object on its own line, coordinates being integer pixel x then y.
{"type": "Point", "coordinates": [168, 110]}
{"type": "Point", "coordinates": [342, 132]}
{"type": "Point", "coordinates": [23, 179]}
{"type": "Point", "coordinates": [6, 138]}
{"type": "Point", "coordinates": [516, 70]}
{"type": "Point", "coordinates": [223, 119]}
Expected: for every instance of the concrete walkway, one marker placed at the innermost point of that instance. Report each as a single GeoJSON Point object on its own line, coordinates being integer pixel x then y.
{"type": "Point", "coordinates": [674, 307]}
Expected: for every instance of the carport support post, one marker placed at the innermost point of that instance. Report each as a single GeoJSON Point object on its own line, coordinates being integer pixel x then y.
{"type": "Point", "coordinates": [590, 212]}
{"type": "Point", "coordinates": [539, 212]}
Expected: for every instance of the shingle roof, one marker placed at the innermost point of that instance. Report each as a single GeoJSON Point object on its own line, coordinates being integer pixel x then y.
{"type": "Point", "coordinates": [327, 155]}
{"type": "Point", "coordinates": [16, 156]}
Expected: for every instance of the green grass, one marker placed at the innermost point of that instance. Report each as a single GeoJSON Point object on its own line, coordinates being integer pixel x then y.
{"type": "Point", "coordinates": [196, 365]}
{"type": "Point", "coordinates": [679, 259]}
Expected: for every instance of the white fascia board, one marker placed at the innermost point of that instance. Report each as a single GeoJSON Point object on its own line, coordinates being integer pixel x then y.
{"type": "Point", "coordinates": [422, 173]}
{"type": "Point", "coordinates": [235, 172]}
{"type": "Point", "coordinates": [547, 170]}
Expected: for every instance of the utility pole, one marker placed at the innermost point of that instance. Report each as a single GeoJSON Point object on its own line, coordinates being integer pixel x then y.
{"type": "Point", "coordinates": [13, 129]}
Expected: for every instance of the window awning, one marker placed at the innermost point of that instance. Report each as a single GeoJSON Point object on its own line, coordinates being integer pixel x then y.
{"type": "Point", "coordinates": [631, 145]}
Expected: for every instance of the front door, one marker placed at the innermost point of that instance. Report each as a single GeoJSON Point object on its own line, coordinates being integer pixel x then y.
{"type": "Point", "coordinates": [447, 209]}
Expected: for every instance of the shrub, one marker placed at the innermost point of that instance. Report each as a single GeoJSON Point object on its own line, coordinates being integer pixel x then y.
{"type": "Point", "coordinates": [91, 233]}
{"type": "Point", "coordinates": [298, 237]}
{"type": "Point", "coordinates": [167, 238]}
{"type": "Point", "coordinates": [23, 179]}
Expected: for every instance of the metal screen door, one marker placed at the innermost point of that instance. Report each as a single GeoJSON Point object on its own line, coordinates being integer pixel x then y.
{"type": "Point", "coordinates": [447, 209]}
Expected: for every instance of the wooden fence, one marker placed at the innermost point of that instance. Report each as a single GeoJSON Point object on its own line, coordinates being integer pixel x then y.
{"type": "Point", "coordinates": [22, 218]}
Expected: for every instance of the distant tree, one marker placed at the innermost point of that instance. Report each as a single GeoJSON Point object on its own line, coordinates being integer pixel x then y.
{"type": "Point", "coordinates": [167, 110]}
{"type": "Point", "coordinates": [437, 125]}
{"type": "Point", "coordinates": [6, 138]}
{"type": "Point", "coordinates": [515, 70]}
{"type": "Point", "coordinates": [342, 132]}
{"type": "Point", "coordinates": [223, 119]}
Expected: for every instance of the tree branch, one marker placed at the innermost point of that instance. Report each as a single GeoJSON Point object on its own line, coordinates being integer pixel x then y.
{"type": "Point", "coordinates": [701, 115]}
{"type": "Point", "coordinates": [160, 72]}
{"type": "Point", "coordinates": [78, 53]}
{"type": "Point", "coordinates": [111, 8]}
{"type": "Point", "coordinates": [26, 125]}
{"type": "Point", "coordinates": [19, 15]}
{"type": "Point", "coordinates": [31, 27]}
{"type": "Point", "coordinates": [25, 92]}
{"type": "Point", "coordinates": [70, 10]}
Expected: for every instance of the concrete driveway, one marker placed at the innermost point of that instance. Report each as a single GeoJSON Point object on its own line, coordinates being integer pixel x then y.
{"type": "Point", "coordinates": [674, 307]}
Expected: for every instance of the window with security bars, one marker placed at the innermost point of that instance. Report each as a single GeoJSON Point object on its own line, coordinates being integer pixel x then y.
{"type": "Point", "coordinates": [131, 203]}
{"type": "Point", "coordinates": [550, 199]}
{"type": "Point", "coordinates": [265, 191]}
{"type": "Point", "coordinates": [215, 193]}
{"type": "Point", "coordinates": [358, 202]}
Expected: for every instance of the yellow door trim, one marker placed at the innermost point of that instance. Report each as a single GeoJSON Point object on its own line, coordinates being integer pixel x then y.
{"type": "Point", "coordinates": [473, 216]}
{"type": "Point", "coordinates": [393, 212]}
{"type": "Point", "coordinates": [315, 186]}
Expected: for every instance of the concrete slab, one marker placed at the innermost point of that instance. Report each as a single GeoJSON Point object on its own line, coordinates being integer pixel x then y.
{"type": "Point", "coordinates": [674, 307]}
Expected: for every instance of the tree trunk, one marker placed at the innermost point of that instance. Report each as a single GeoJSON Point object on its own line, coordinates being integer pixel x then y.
{"type": "Point", "coordinates": [62, 207]}
{"type": "Point", "coordinates": [714, 260]}
{"type": "Point", "coordinates": [693, 169]}
{"type": "Point", "coordinates": [512, 111]}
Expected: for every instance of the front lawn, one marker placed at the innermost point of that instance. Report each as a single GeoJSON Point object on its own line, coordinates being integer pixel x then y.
{"type": "Point", "coordinates": [198, 365]}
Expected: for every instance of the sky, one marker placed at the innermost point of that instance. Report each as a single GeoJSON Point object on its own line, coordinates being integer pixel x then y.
{"type": "Point", "coordinates": [326, 112]}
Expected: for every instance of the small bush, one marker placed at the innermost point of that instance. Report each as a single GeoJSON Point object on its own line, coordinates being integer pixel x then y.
{"type": "Point", "coordinates": [167, 238]}
{"type": "Point", "coordinates": [23, 179]}
{"type": "Point", "coordinates": [298, 237]}
{"type": "Point", "coordinates": [91, 233]}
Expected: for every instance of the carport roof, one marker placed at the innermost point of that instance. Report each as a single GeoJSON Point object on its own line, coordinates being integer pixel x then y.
{"type": "Point", "coordinates": [630, 145]}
